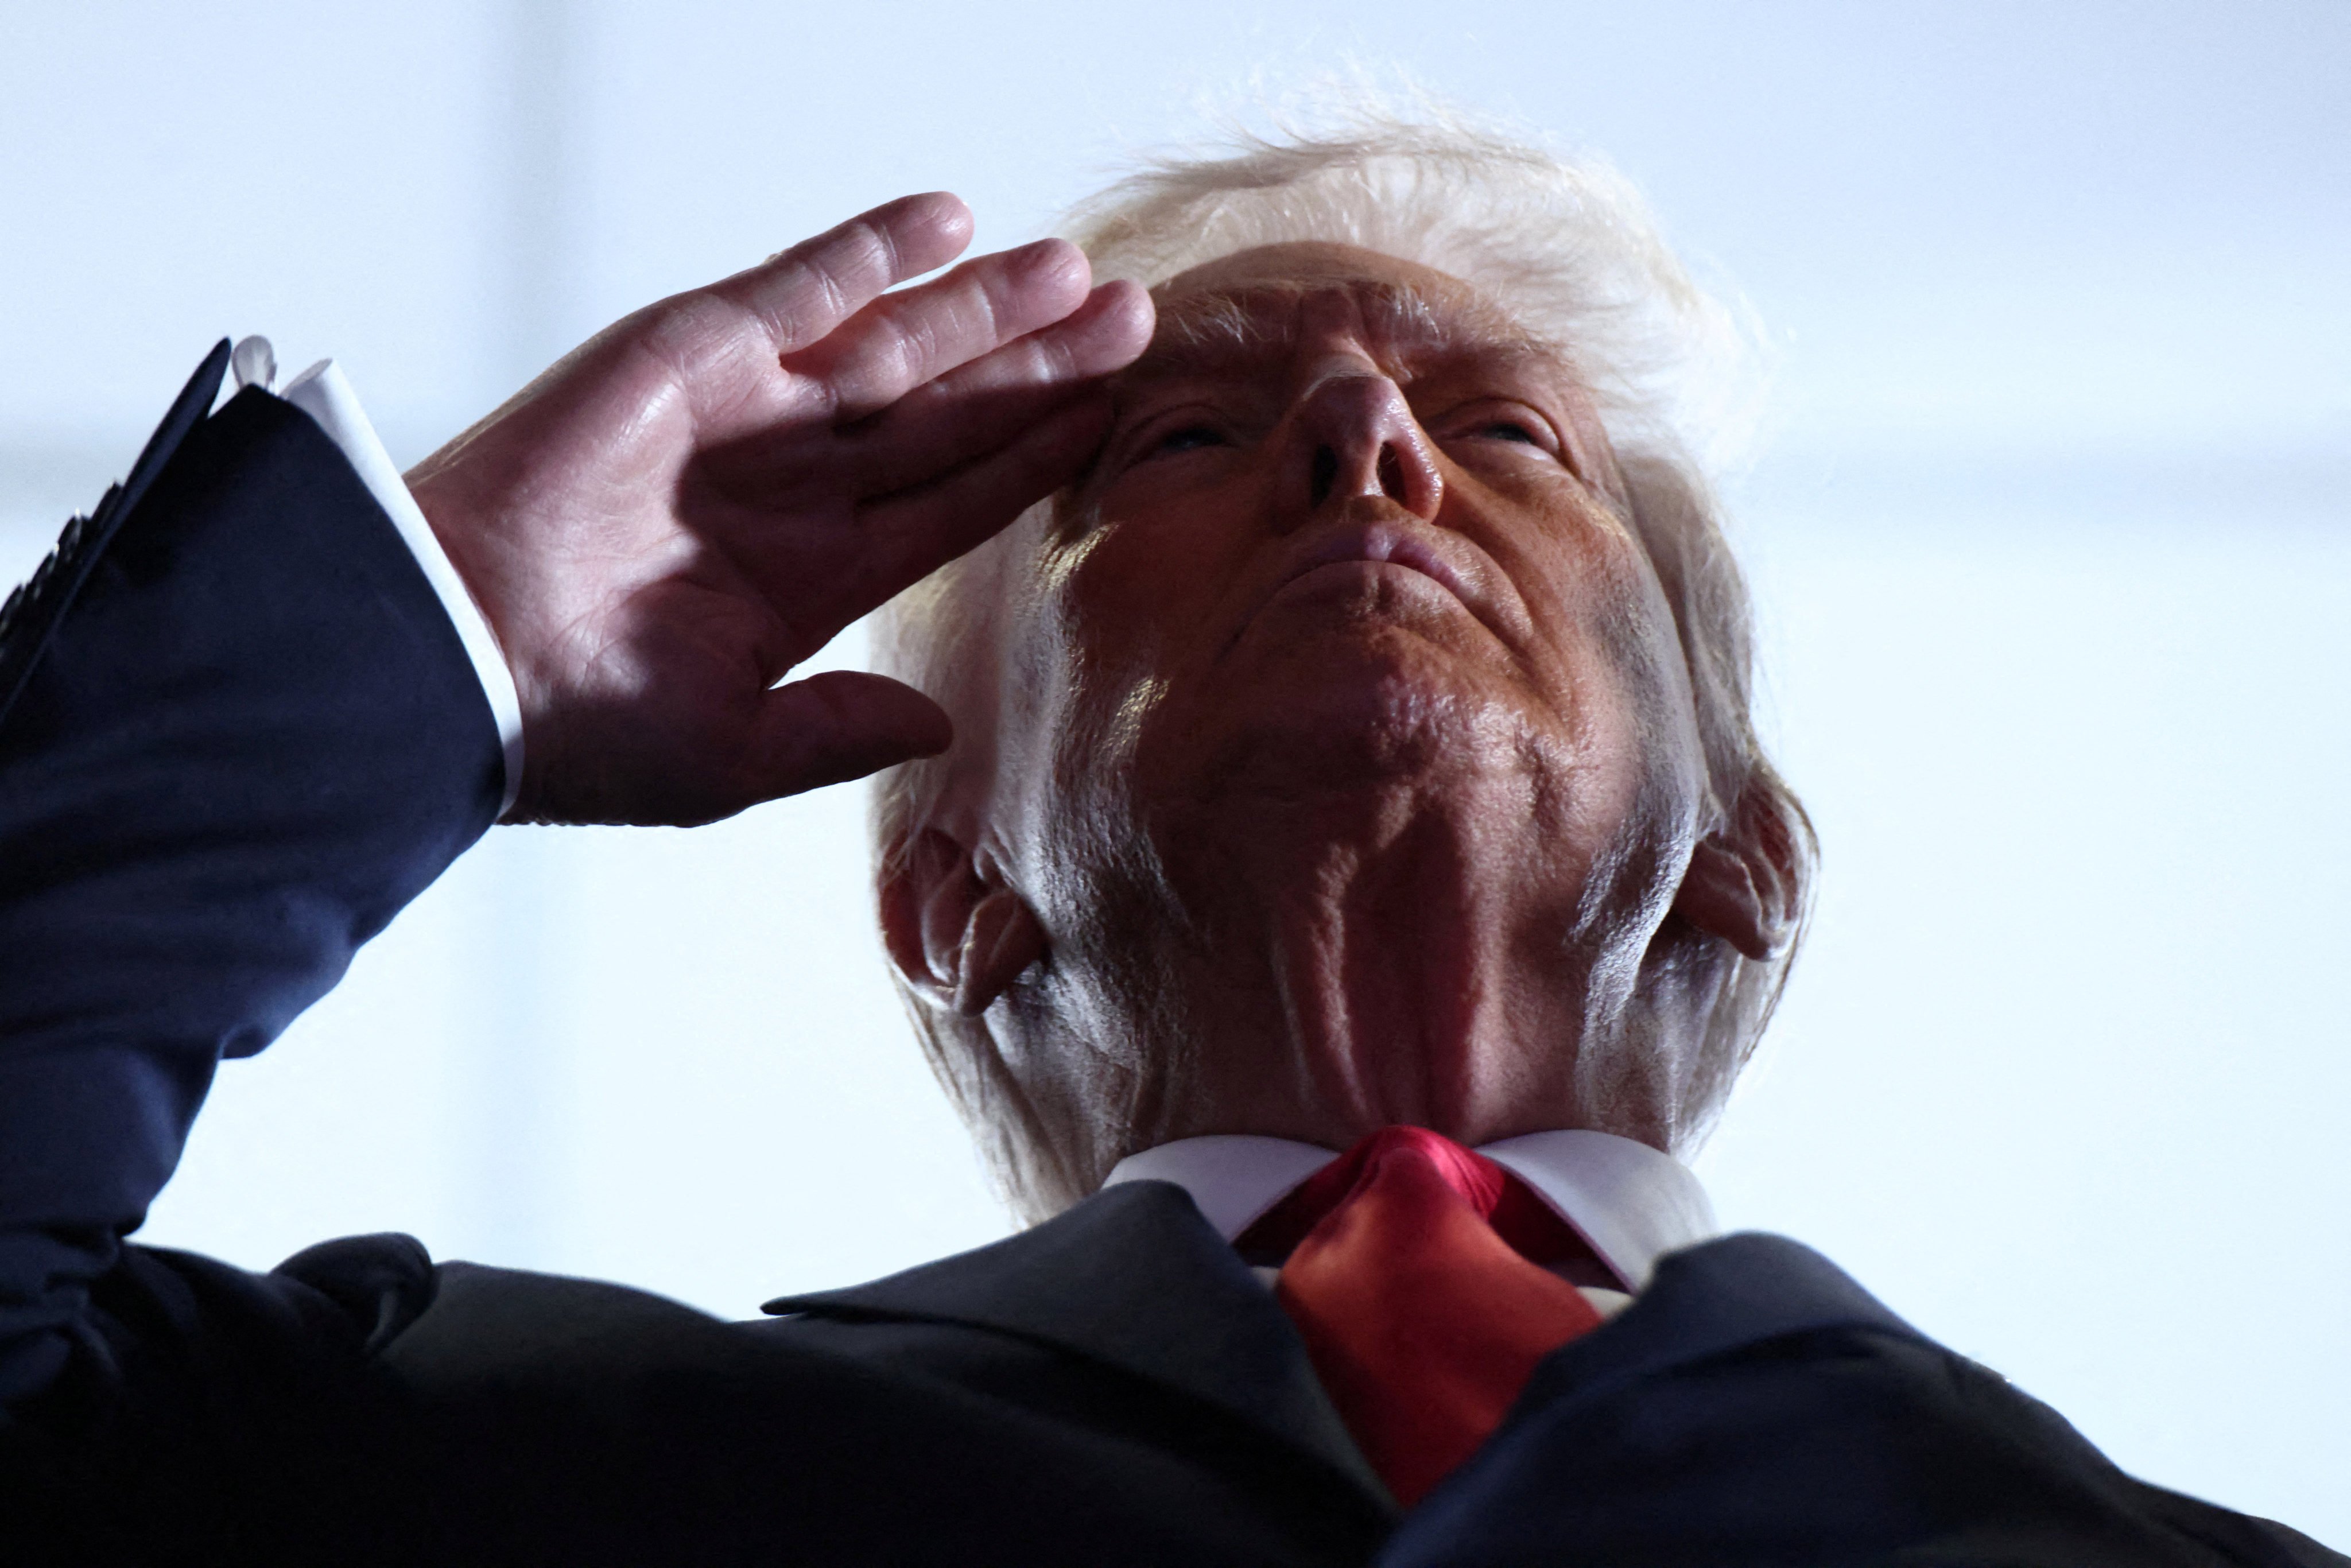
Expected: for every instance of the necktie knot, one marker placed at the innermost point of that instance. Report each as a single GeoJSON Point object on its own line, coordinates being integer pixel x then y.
{"type": "Point", "coordinates": [1409, 1278]}
{"type": "Point", "coordinates": [1524, 1222]}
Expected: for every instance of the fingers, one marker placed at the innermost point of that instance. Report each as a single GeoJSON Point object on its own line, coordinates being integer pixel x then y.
{"type": "Point", "coordinates": [903, 341]}
{"type": "Point", "coordinates": [908, 535]}
{"type": "Point", "coordinates": [800, 295]}
{"type": "Point", "coordinates": [841, 724]}
{"type": "Point", "coordinates": [975, 410]}
{"type": "Point", "coordinates": [986, 444]}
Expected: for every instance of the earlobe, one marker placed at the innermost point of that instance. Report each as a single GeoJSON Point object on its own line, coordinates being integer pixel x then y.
{"type": "Point", "coordinates": [1745, 882]}
{"type": "Point", "coordinates": [1001, 940]}
{"type": "Point", "coordinates": [957, 931]}
{"type": "Point", "coordinates": [1718, 896]}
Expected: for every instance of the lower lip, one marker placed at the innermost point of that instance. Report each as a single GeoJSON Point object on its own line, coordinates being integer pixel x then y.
{"type": "Point", "coordinates": [1358, 570]}
{"type": "Point", "coordinates": [1352, 579]}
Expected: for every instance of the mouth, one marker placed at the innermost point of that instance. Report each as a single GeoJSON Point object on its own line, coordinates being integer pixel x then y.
{"type": "Point", "coordinates": [1445, 558]}
{"type": "Point", "coordinates": [1377, 542]}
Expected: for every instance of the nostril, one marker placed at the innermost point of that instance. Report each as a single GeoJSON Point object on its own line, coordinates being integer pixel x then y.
{"type": "Point", "coordinates": [1323, 474]}
{"type": "Point", "coordinates": [1391, 473]}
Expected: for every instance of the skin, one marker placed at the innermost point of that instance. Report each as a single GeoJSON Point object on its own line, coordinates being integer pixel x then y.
{"type": "Point", "coordinates": [1357, 769]}
{"type": "Point", "coordinates": [1349, 770]}
{"type": "Point", "coordinates": [701, 496]}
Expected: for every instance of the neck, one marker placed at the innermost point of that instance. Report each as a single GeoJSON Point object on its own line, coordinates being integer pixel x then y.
{"type": "Point", "coordinates": [1412, 956]}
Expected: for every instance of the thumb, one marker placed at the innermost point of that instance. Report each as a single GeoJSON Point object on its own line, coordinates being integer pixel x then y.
{"type": "Point", "coordinates": [841, 724]}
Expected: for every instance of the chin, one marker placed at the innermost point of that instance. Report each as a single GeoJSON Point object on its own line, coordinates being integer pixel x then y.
{"type": "Point", "coordinates": [1385, 707]}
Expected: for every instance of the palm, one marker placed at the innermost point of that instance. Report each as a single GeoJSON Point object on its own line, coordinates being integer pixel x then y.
{"type": "Point", "coordinates": [705, 495]}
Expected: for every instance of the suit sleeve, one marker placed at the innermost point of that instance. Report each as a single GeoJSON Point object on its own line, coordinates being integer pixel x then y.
{"type": "Point", "coordinates": [237, 734]}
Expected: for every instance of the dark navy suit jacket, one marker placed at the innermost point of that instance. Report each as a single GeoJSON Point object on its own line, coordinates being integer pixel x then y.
{"type": "Point", "coordinates": [238, 734]}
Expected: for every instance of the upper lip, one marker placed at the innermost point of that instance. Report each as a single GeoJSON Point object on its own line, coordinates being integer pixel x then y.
{"type": "Point", "coordinates": [1464, 570]}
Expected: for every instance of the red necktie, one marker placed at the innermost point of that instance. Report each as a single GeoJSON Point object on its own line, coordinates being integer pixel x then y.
{"type": "Point", "coordinates": [1410, 1281]}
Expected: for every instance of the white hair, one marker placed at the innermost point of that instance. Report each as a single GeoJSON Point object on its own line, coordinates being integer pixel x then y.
{"type": "Point", "coordinates": [1568, 248]}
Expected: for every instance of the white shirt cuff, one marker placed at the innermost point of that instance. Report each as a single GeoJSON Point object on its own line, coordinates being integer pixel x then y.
{"type": "Point", "coordinates": [322, 392]}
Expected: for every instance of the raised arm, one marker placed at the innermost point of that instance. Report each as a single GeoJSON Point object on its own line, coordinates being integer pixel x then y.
{"type": "Point", "coordinates": [242, 734]}
{"type": "Point", "coordinates": [702, 496]}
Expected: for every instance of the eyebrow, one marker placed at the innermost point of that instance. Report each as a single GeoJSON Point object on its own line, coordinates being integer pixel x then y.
{"type": "Point", "coordinates": [1219, 329]}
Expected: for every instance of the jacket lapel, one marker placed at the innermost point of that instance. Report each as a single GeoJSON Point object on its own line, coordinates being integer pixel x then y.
{"type": "Point", "coordinates": [1134, 1278]}
{"type": "Point", "coordinates": [1721, 1296]}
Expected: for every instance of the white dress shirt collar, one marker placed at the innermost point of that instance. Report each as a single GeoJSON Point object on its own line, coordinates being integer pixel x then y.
{"type": "Point", "coordinates": [1632, 1204]}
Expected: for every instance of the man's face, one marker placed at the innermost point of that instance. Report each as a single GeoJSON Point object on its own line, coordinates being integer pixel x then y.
{"type": "Point", "coordinates": [1353, 573]}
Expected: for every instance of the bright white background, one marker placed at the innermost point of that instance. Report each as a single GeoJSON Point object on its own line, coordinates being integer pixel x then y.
{"type": "Point", "coordinates": [2053, 550]}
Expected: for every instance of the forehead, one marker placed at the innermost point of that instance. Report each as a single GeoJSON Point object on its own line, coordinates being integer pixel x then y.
{"type": "Point", "coordinates": [1279, 300]}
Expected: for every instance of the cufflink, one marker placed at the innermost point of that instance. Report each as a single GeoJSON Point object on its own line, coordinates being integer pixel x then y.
{"type": "Point", "coordinates": [255, 363]}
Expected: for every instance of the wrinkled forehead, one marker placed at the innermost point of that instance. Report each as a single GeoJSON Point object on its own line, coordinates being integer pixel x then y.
{"type": "Point", "coordinates": [1255, 307]}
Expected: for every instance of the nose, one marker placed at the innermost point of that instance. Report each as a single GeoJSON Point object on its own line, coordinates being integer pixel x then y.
{"type": "Point", "coordinates": [1355, 437]}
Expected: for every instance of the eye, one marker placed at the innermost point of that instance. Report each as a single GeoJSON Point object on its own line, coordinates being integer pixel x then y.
{"type": "Point", "coordinates": [1502, 420]}
{"type": "Point", "coordinates": [1171, 434]}
{"type": "Point", "coordinates": [1186, 438]}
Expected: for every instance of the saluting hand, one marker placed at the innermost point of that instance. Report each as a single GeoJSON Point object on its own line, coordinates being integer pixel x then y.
{"type": "Point", "coordinates": [701, 496]}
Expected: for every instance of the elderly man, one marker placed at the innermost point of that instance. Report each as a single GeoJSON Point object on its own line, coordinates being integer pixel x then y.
{"type": "Point", "coordinates": [1328, 861]}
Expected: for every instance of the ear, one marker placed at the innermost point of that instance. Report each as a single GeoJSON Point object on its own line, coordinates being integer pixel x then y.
{"type": "Point", "coordinates": [1746, 880]}
{"type": "Point", "coordinates": [958, 933]}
